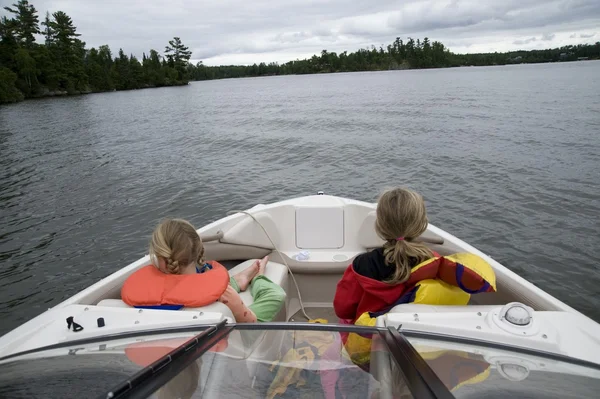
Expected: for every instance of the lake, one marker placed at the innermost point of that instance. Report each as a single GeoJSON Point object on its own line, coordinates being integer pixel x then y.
{"type": "Point", "coordinates": [507, 158]}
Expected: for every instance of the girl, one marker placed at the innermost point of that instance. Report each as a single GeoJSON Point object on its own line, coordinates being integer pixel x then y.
{"type": "Point", "coordinates": [374, 280]}
{"type": "Point", "coordinates": [177, 252]}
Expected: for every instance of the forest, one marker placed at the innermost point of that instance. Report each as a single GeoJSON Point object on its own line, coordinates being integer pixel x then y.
{"type": "Point", "coordinates": [62, 64]}
{"type": "Point", "coordinates": [400, 54]}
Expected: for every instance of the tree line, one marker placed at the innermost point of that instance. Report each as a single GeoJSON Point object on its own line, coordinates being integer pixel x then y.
{"type": "Point", "coordinates": [398, 55]}
{"type": "Point", "coordinates": [62, 64]}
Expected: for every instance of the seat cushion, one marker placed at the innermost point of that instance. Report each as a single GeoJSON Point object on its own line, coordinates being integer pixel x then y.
{"type": "Point", "coordinates": [276, 272]}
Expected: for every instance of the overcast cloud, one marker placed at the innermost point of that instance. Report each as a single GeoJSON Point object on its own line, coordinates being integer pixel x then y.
{"type": "Point", "coordinates": [244, 32]}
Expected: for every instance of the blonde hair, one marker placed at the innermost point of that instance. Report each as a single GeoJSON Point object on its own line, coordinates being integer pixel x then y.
{"type": "Point", "coordinates": [402, 217]}
{"type": "Point", "coordinates": [177, 243]}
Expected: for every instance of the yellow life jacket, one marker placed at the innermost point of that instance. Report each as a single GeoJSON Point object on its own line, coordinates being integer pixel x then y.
{"type": "Point", "coordinates": [447, 280]}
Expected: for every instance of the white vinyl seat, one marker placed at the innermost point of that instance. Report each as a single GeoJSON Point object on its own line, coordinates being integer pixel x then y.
{"type": "Point", "coordinates": [276, 272]}
{"type": "Point", "coordinates": [368, 238]}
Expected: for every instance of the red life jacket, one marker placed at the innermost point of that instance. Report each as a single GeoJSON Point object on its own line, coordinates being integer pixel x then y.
{"type": "Point", "coordinates": [150, 287]}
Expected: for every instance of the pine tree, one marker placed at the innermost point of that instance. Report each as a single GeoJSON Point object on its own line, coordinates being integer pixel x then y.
{"type": "Point", "coordinates": [48, 31]}
{"type": "Point", "coordinates": [26, 22]}
{"type": "Point", "coordinates": [68, 52]}
{"type": "Point", "coordinates": [63, 32]}
{"type": "Point", "coordinates": [178, 56]}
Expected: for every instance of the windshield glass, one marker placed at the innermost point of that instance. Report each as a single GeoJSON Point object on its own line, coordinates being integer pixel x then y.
{"type": "Point", "coordinates": [470, 371]}
{"type": "Point", "coordinates": [65, 376]}
{"type": "Point", "coordinates": [244, 364]}
{"type": "Point", "coordinates": [81, 371]}
{"type": "Point", "coordinates": [288, 361]}
{"type": "Point", "coordinates": [288, 364]}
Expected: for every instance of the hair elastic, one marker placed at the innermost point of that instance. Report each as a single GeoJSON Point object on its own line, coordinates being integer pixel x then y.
{"type": "Point", "coordinates": [400, 239]}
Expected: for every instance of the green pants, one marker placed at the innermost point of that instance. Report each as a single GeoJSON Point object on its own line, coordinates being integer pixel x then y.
{"type": "Point", "coordinates": [268, 297]}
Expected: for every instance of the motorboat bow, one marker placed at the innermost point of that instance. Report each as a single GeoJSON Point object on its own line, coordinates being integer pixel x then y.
{"type": "Point", "coordinates": [517, 341]}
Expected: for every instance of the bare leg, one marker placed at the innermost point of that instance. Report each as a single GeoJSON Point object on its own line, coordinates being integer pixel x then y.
{"type": "Point", "coordinates": [244, 277]}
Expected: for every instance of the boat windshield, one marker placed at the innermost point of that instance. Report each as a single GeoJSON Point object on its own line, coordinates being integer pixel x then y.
{"type": "Point", "coordinates": [288, 361]}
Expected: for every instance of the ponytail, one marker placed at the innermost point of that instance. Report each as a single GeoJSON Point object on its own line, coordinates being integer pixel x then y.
{"type": "Point", "coordinates": [399, 254]}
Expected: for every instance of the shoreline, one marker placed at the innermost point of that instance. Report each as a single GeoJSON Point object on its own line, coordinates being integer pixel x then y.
{"type": "Point", "coordinates": [46, 93]}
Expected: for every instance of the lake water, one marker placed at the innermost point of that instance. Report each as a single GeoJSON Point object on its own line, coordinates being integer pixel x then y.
{"type": "Point", "coordinates": [508, 158]}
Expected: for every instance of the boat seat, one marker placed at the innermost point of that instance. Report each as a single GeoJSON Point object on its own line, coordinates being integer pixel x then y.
{"type": "Point", "coordinates": [276, 272]}
{"type": "Point", "coordinates": [368, 238]}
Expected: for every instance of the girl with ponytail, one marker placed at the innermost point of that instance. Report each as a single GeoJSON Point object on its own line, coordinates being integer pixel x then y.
{"type": "Point", "coordinates": [376, 279]}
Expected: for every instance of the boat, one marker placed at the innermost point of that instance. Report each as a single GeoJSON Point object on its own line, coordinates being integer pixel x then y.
{"type": "Point", "coordinates": [517, 341]}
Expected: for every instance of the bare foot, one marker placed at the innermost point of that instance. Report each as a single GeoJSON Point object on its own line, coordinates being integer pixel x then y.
{"type": "Point", "coordinates": [262, 266]}
{"type": "Point", "coordinates": [244, 277]}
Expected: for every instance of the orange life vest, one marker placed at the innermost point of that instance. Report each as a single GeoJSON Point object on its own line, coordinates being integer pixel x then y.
{"type": "Point", "coordinates": [150, 287]}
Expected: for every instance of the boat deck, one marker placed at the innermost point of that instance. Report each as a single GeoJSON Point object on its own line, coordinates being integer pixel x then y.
{"type": "Point", "coordinates": [316, 313]}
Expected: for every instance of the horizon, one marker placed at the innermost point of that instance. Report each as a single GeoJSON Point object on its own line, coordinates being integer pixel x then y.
{"type": "Point", "coordinates": [236, 33]}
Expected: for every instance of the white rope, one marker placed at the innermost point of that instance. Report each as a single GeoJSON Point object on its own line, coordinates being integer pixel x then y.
{"type": "Point", "coordinates": [280, 255]}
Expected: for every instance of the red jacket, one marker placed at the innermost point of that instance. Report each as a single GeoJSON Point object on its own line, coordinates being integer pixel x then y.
{"type": "Point", "coordinates": [362, 289]}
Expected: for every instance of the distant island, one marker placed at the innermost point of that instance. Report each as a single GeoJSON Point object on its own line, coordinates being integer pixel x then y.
{"type": "Point", "coordinates": [63, 66]}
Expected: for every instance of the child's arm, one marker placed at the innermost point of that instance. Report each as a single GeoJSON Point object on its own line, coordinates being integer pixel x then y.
{"type": "Point", "coordinates": [347, 295]}
{"type": "Point", "coordinates": [240, 311]}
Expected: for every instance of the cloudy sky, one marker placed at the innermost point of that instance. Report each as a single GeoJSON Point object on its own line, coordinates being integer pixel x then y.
{"type": "Point", "coordinates": [248, 31]}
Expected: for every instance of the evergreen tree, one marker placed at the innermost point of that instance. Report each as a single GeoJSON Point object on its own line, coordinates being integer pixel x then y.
{"type": "Point", "coordinates": [48, 31]}
{"type": "Point", "coordinates": [68, 53]}
{"type": "Point", "coordinates": [178, 56]}
{"type": "Point", "coordinates": [8, 42]}
{"type": "Point", "coordinates": [26, 22]}
{"type": "Point", "coordinates": [137, 73]}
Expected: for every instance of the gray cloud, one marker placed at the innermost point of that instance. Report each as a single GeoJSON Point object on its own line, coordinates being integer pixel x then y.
{"type": "Point", "coordinates": [526, 41]}
{"type": "Point", "coordinates": [547, 37]}
{"type": "Point", "coordinates": [241, 31]}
